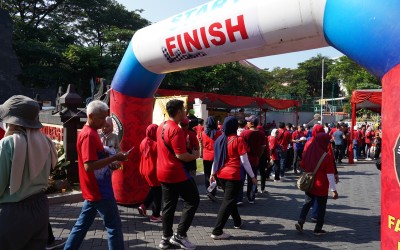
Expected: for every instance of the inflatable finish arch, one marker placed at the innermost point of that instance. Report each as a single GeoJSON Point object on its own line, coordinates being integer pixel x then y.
{"type": "Point", "coordinates": [368, 31]}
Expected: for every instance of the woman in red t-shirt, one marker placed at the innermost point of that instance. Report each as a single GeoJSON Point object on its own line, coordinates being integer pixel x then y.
{"type": "Point", "coordinates": [148, 169]}
{"type": "Point", "coordinates": [209, 136]}
{"type": "Point", "coordinates": [323, 179]}
{"type": "Point", "coordinates": [230, 151]}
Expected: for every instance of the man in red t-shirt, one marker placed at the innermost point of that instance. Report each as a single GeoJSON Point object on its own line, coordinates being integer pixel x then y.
{"type": "Point", "coordinates": [298, 139]}
{"type": "Point", "coordinates": [255, 141]}
{"type": "Point", "coordinates": [95, 180]}
{"type": "Point", "coordinates": [284, 138]}
{"type": "Point", "coordinates": [175, 178]}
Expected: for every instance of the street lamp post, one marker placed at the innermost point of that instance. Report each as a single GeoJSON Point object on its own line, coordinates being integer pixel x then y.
{"type": "Point", "coordinates": [322, 90]}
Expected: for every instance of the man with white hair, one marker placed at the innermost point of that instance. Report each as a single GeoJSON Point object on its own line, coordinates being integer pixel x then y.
{"type": "Point", "coordinates": [95, 180]}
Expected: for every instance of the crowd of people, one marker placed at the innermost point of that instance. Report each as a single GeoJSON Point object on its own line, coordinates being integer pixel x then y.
{"type": "Point", "coordinates": [231, 151]}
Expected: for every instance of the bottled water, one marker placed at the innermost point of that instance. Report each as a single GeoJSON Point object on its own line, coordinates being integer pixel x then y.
{"type": "Point", "coordinates": [212, 186]}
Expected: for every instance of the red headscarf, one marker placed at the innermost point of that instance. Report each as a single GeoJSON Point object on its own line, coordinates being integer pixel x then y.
{"type": "Point", "coordinates": [151, 137]}
{"type": "Point", "coordinates": [317, 129]}
{"type": "Point", "coordinates": [315, 150]}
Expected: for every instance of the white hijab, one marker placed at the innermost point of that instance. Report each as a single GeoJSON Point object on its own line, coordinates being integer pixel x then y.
{"type": "Point", "coordinates": [35, 147]}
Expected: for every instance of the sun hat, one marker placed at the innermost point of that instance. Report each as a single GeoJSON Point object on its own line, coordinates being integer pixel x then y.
{"type": "Point", "coordinates": [22, 111]}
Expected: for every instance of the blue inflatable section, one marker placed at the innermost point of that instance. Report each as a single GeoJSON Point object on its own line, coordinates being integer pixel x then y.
{"type": "Point", "coordinates": [132, 79]}
{"type": "Point", "coordinates": [367, 31]}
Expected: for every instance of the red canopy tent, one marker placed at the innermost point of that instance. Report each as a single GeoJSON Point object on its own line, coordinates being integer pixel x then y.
{"type": "Point", "coordinates": [231, 101]}
{"type": "Point", "coordinates": [365, 98]}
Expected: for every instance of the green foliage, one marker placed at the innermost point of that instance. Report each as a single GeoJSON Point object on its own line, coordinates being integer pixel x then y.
{"type": "Point", "coordinates": [71, 41]}
{"type": "Point", "coordinates": [352, 75]}
{"type": "Point", "coordinates": [228, 78]}
{"type": "Point", "coordinates": [59, 171]}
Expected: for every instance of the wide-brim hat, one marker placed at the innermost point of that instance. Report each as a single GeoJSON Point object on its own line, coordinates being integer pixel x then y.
{"type": "Point", "coordinates": [22, 111]}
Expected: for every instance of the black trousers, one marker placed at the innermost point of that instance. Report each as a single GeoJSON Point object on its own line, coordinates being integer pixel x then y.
{"type": "Point", "coordinates": [154, 197]}
{"type": "Point", "coordinates": [339, 152]}
{"type": "Point", "coordinates": [171, 192]}
{"type": "Point", "coordinates": [207, 172]}
{"type": "Point", "coordinates": [228, 206]}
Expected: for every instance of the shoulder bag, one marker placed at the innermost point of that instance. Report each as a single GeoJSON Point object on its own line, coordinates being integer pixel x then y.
{"type": "Point", "coordinates": [306, 180]}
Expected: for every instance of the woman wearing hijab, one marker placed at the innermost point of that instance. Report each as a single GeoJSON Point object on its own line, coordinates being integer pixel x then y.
{"type": "Point", "coordinates": [323, 181]}
{"type": "Point", "coordinates": [209, 135]}
{"type": "Point", "coordinates": [315, 131]}
{"type": "Point", "coordinates": [148, 169]}
{"type": "Point", "coordinates": [230, 151]}
{"type": "Point", "coordinates": [26, 157]}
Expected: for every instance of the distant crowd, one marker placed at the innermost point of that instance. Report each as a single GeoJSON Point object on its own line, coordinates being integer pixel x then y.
{"type": "Point", "coordinates": [233, 154]}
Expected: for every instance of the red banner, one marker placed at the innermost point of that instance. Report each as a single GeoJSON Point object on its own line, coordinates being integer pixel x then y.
{"type": "Point", "coordinates": [390, 205]}
{"type": "Point", "coordinates": [134, 114]}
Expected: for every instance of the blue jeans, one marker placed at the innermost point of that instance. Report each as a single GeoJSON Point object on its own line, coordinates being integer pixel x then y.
{"type": "Point", "coordinates": [282, 162]}
{"type": "Point", "coordinates": [108, 211]}
{"type": "Point", "coordinates": [356, 152]}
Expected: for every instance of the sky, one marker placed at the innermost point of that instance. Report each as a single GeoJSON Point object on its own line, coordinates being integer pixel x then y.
{"type": "Point", "coordinates": [158, 10]}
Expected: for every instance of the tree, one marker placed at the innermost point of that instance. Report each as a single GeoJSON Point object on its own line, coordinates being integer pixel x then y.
{"type": "Point", "coordinates": [228, 78]}
{"type": "Point", "coordinates": [310, 72]}
{"type": "Point", "coordinates": [352, 75]}
{"type": "Point", "coordinates": [70, 41]}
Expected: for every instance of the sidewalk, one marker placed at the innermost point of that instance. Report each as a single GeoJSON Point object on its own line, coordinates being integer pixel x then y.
{"type": "Point", "coordinates": [352, 221]}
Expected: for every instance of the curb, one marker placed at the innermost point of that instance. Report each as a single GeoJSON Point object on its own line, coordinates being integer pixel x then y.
{"type": "Point", "coordinates": [76, 196]}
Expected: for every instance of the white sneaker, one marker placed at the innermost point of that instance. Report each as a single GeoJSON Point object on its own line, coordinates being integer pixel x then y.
{"type": "Point", "coordinates": [182, 242]}
{"type": "Point", "coordinates": [223, 236]}
{"type": "Point", "coordinates": [355, 160]}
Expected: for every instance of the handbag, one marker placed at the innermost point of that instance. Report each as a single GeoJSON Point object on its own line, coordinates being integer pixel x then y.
{"type": "Point", "coordinates": [306, 179]}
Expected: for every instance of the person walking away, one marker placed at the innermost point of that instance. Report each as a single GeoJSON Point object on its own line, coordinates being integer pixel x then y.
{"type": "Point", "coordinates": [298, 139]}
{"type": "Point", "coordinates": [284, 138]}
{"type": "Point", "coordinates": [230, 153]}
{"type": "Point", "coordinates": [242, 127]}
{"type": "Point", "coordinates": [317, 130]}
{"type": "Point", "coordinates": [338, 138]}
{"type": "Point", "coordinates": [148, 169]}
{"type": "Point", "coordinates": [209, 136]}
{"type": "Point", "coordinates": [95, 178]}
{"type": "Point", "coordinates": [199, 133]}
{"type": "Point", "coordinates": [256, 145]}
{"type": "Point", "coordinates": [26, 157]}
{"type": "Point", "coordinates": [324, 180]}
{"type": "Point", "coordinates": [275, 148]}
{"type": "Point", "coordinates": [369, 137]}
{"type": "Point", "coordinates": [356, 143]}
{"type": "Point", "coordinates": [191, 144]}
{"type": "Point", "coordinates": [264, 160]}
{"type": "Point", "coordinates": [290, 151]}
{"type": "Point", "coordinates": [175, 179]}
